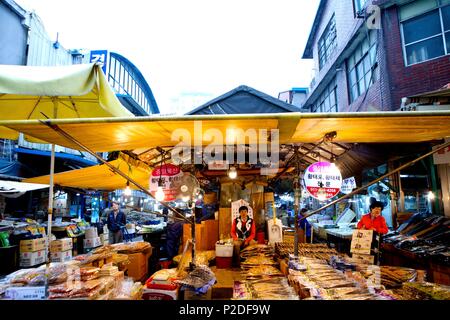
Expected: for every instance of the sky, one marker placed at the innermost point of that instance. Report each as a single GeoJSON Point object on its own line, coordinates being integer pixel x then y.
{"type": "Point", "coordinates": [192, 51]}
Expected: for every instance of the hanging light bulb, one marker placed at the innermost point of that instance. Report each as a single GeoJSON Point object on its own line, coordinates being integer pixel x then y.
{"type": "Point", "coordinates": [431, 196]}
{"type": "Point", "coordinates": [127, 191]}
{"type": "Point", "coordinates": [160, 195]}
{"type": "Point", "coordinates": [232, 173]}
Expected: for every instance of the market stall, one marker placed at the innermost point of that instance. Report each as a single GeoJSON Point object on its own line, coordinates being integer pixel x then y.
{"type": "Point", "coordinates": [258, 263]}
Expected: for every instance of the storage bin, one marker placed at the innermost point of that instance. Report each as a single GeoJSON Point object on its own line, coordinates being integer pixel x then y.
{"type": "Point", "coordinates": [224, 250]}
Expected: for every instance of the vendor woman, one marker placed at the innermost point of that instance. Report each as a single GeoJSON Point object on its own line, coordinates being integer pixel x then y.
{"type": "Point", "coordinates": [374, 220]}
{"type": "Point", "coordinates": [243, 232]}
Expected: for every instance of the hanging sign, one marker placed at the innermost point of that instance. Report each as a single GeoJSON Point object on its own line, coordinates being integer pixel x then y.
{"type": "Point", "coordinates": [361, 241]}
{"type": "Point", "coordinates": [170, 175]}
{"type": "Point", "coordinates": [348, 185]}
{"type": "Point", "coordinates": [235, 209]}
{"type": "Point", "coordinates": [443, 155]}
{"type": "Point", "coordinates": [322, 180]}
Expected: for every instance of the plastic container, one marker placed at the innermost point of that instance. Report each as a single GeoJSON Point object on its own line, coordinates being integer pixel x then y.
{"type": "Point", "coordinates": [224, 262]}
{"type": "Point", "coordinates": [224, 250]}
{"type": "Point", "coordinates": [260, 237]}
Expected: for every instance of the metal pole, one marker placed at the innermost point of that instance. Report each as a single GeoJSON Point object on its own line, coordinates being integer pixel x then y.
{"type": "Point", "coordinates": [114, 169]}
{"type": "Point", "coordinates": [297, 195]}
{"type": "Point", "coordinates": [193, 235]}
{"type": "Point", "coordinates": [442, 146]}
{"type": "Point", "coordinates": [51, 190]}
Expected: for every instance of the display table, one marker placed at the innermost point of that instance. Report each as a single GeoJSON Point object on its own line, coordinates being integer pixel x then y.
{"type": "Point", "coordinates": [223, 289]}
{"type": "Point", "coordinates": [436, 272]}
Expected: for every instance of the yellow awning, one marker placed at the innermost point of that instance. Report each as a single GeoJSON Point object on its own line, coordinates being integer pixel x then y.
{"type": "Point", "coordinates": [76, 91]}
{"type": "Point", "coordinates": [108, 134]}
{"type": "Point", "coordinates": [101, 177]}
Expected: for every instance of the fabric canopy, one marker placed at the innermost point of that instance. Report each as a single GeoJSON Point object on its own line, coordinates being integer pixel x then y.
{"type": "Point", "coordinates": [13, 189]}
{"type": "Point", "coordinates": [76, 91]}
{"type": "Point", "coordinates": [108, 134]}
{"type": "Point", "coordinates": [100, 177]}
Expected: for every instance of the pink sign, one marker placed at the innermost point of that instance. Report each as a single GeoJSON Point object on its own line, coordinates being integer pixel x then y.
{"type": "Point", "coordinates": [322, 180]}
{"type": "Point", "coordinates": [170, 175]}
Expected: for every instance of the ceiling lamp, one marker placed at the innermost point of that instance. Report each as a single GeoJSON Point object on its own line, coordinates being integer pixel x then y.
{"type": "Point", "coordinates": [127, 191]}
{"type": "Point", "coordinates": [232, 173]}
{"type": "Point", "coordinates": [160, 195]}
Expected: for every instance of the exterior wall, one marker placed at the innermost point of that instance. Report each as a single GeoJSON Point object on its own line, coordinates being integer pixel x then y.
{"type": "Point", "coordinates": [346, 26]}
{"type": "Point", "coordinates": [415, 79]}
{"type": "Point", "coordinates": [13, 37]}
{"type": "Point", "coordinates": [41, 51]}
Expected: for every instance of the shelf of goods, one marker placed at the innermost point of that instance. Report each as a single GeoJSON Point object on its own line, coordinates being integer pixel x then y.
{"type": "Point", "coordinates": [99, 275]}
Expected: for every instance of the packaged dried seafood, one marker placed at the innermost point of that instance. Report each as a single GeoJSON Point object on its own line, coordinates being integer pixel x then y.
{"type": "Point", "coordinates": [263, 270]}
{"type": "Point", "coordinates": [198, 278]}
{"type": "Point", "coordinates": [394, 277]}
{"type": "Point", "coordinates": [426, 291]}
{"type": "Point", "coordinates": [259, 260]}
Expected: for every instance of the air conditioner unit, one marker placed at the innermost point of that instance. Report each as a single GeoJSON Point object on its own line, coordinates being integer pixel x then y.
{"type": "Point", "coordinates": [416, 107]}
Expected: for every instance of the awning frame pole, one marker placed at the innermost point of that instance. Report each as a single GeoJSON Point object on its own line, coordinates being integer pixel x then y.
{"type": "Point", "coordinates": [408, 164]}
{"type": "Point", "coordinates": [114, 169]}
{"type": "Point", "coordinates": [297, 197]}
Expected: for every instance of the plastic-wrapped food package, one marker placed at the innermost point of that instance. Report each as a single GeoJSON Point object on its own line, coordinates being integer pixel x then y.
{"type": "Point", "coordinates": [19, 277]}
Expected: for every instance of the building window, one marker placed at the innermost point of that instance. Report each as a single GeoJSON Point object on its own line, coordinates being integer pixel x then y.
{"type": "Point", "coordinates": [327, 102]}
{"type": "Point", "coordinates": [425, 28]}
{"type": "Point", "coordinates": [362, 66]}
{"type": "Point", "coordinates": [359, 6]}
{"type": "Point", "coordinates": [327, 42]}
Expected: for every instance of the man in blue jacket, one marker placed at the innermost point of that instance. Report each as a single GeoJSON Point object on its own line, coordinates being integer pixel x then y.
{"type": "Point", "coordinates": [116, 220]}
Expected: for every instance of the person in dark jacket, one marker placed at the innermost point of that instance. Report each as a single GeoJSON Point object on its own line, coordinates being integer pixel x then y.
{"type": "Point", "coordinates": [305, 227]}
{"type": "Point", "coordinates": [173, 236]}
{"type": "Point", "coordinates": [116, 220]}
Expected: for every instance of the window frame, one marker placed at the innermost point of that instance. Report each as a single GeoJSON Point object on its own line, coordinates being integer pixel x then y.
{"type": "Point", "coordinates": [322, 43]}
{"type": "Point", "coordinates": [319, 104]}
{"type": "Point", "coordinates": [356, 4]}
{"type": "Point", "coordinates": [357, 64]}
{"type": "Point", "coordinates": [442, 34]}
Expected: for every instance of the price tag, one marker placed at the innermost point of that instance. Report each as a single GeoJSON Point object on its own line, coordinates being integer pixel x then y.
{"type": "Point", "coordinates": [25, 293]}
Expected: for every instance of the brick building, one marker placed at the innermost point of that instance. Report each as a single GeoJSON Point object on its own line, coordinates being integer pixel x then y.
{"type": "Point", "coordinates": [369, 54]}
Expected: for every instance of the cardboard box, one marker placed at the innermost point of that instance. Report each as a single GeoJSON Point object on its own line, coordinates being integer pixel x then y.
{"type": "Point", "coordinates": [61, 245]}
{"type": "Point", "coordinates": [30, 259]}
{"type": "Point", "coordinates": [158, 294]}
{"type": "Point", "coordinates": [138, 266]}
{"type": "Point", "coordinates": [92, 243]}
{"type": "Point", "coordinates": [61, 256]}
{"type": "Point", "coordinates": [32, 245]}
{"type": "Point", "coordinates": [104, 238]}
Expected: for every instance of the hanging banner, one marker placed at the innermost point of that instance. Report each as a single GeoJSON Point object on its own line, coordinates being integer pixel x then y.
{"type": "Point", "coordinates": [348, 185]}
{"type": "Point", "coordinates": [443, 155]}
{"type": "Point", "coordinates": [235, 209]}
{"type": "Point", "coordinates": [170, 175]}
{"type": "Point", "coordinates": [322, 180]}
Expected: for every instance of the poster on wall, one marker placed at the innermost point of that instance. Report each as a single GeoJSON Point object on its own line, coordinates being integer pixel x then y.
{"type": "Point", "coordinates": [235, 209]}
{"type": "Point", "coordinates": [60, 203]}
{"type": "Point", "coordinates": [169, 175]}
{"type": "Point", "coordinates": [322, 180]}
